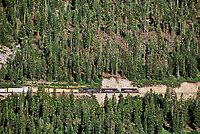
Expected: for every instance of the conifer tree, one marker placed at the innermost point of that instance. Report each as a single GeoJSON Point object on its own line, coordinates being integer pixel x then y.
{"type": "Point", "coordinates": [120, 106]}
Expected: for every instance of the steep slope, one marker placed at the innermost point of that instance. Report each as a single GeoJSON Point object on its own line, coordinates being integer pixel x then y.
{"type": "Point", "coordinates": [79, 41]}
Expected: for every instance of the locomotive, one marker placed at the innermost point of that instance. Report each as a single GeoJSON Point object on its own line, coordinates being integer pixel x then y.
{"type": "Point", "coordinates": [90, 91]}
{"type": "Point", "coordinates": [130, 90]}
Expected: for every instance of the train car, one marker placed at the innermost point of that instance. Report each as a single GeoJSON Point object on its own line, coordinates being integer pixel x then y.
{"type": "Point", "coordinates": [130, 90]}
{"type": "Point", "coordinates": [48, 90]}
{"type": "Point", "coordinates": [90, 91]}
{"type": "Point", "coordinates": [61, 90]}
{"type": "Point", "coordinates": [3, 90]}
{"type": "Point", "coordinates": [67, 90]}
{"type": "Point", "coordinates": [18, 90]}
{"type": "Point", "coordinates": [110, 90]}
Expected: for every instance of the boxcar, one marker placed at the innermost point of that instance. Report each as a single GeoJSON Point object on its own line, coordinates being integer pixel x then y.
{"type": "Point", "coordinates": [2, 90]}
{"type": "Point", "coordinates": [60, 90]}
{"type": "Point", "coordinates": [18, 90]}
{"type": "Point", "coordinates": [129, 90]}
{"type": "Point", "coordinates": [90, 91]}
{"type": "Point", "coordinates": [67, 90]}
{"type": "Point", "coordinates": [110, 90]}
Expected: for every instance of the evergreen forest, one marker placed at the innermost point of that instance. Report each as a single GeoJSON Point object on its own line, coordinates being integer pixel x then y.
{"type": "Point", "coordinates": [153, 114]}
{"type": "Point", "coordinates": [81, 40]}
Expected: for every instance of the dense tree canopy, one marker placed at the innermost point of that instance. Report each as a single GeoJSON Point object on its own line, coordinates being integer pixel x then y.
{"type": "Point", "coordinates": [45, 113]}
{"type": "Point", "coordinates": [70, 40]}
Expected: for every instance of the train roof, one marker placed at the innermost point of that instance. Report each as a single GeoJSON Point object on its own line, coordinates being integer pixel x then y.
{"type": "Point", "coordinates": [129, 88]}
{"type": "Point", "coordinates": [109, 88]}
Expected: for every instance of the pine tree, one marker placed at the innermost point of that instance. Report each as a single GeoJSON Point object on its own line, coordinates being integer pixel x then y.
{"type": "Point", "coordinates": [72, 104]}
{"type": "Point", "coordinates": [120, 106]}
{"type": "Point", "coordinates": [118, 124]}
{"type": "Point", "coordinates": [174, 113]}
{"type": "Point", "coordinates": [159, 122]}
{"type": "Point", "coordinates": [137, 116]}
{"type": "Point", "coordinates": [197, 109]}
{"type": "Point", "coordinates": [151, 115]}
{"type": "Point", "coordinates": [106, 104]}
{"type": "Point", "coordinates": [114, 103]}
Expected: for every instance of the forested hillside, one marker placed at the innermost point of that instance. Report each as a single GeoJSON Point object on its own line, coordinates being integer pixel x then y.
{"type": "Point", "coordinates": [152, 114]}
{"type": "Point", "coordinates": [80, 40]}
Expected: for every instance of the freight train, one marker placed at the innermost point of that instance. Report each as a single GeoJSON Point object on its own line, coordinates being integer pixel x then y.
{"type": "Point", "coordinates": [104, 90]}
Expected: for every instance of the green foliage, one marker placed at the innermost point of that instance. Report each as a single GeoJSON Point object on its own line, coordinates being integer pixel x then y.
{"type": "Point", "coordinates": [79, 41]}
{"type": "Point", "coordinates": [45, 113]}
{"type": "Point", "coordinates": [167, 81]}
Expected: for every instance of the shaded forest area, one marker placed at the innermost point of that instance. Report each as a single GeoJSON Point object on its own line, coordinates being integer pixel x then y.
{"type": "Point", "coordinates": [152, 114]}
{"type": "Point", "coordinates": [80, 40]}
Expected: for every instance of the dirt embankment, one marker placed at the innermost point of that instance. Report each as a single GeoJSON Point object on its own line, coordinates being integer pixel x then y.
{"type": "Point", "coordinates": [186, 88]}
{"type": "Point", "coordinates": [118, 83]}
{"type": "Point", "coordinates": [189, 90]}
